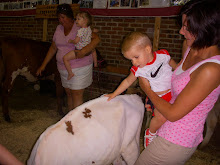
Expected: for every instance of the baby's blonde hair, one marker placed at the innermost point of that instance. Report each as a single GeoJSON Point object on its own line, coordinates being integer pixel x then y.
{"type": "Point", "coordinates": [86, 15]}
{"type": "Point", "coordinates": [135, 39]}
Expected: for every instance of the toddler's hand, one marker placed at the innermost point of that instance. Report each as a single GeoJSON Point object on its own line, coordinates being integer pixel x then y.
{"type": "Point", "coordinates": [148, 107]}
{"type": "Point", "coordinates": [110, 96]}
{"type": "Point", "coordinates": [70, 41]}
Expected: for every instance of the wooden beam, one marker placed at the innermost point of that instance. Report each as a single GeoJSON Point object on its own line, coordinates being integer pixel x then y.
{"type": "Point", "coordinates": [49, 11]}
{"type": "Point", "coordinates": [156, 33]}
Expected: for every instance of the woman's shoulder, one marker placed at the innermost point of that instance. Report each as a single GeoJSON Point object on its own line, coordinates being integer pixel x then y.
{"type": "Point", "coordinates": [208, 75]}
{"type": "Point", "coordinates": [210, 71]}
{"type": "Point", "coordinates": [213, 59]}
{"type": "Point", "coordinates": [57, 32]}
{"type": "Point", "coordinates": [211, 64]}
{"type": "Point", "coordinates": [59, 28]}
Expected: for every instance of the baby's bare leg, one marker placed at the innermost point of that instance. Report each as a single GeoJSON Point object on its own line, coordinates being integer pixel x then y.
{"type": "Point", "coordinates": [157, 121]}
{"type": "Point", "coordinates": [69, 56]}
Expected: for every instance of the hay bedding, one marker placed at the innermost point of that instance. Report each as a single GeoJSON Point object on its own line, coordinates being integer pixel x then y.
{"type": "Point", "coordinates": [32, 113]}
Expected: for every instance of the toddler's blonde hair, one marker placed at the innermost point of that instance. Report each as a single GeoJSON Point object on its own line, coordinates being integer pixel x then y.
{"type": "Point", "coordinates": [135, 39]}
{"type": "Point", "coordinates": [86, 15]}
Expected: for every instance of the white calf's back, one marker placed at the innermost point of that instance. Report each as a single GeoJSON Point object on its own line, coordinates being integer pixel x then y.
{"type": "Point", "coordinates": [93, 133]}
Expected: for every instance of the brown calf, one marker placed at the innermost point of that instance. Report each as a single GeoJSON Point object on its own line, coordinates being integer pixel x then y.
{"type": "Point", "coordinates": [23, 57]}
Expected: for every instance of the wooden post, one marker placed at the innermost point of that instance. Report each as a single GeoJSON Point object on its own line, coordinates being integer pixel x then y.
{"type": "Point", "coordinates": [156, 33]}
{"type": "Point", "coordinates": [45, 22]}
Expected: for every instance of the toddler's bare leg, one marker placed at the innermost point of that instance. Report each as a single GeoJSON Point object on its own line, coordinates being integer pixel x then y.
{"type": "Point", "coordinates": [69, 56]}
{"type": "Point", "coordinates": [94, 56]}
{"type": "Point", "coordinates": [157, 121]}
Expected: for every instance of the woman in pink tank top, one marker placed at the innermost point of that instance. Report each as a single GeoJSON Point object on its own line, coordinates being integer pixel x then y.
{"type": "Point", "coordinates": [195, 87]}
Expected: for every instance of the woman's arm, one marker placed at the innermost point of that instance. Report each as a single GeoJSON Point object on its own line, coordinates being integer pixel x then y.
{"type": "Point", "coordinates": [51, 52]}
{"type": "Point", "coordinates": [202, 82]}
{"type": "Point", "coordinates": [173, 64]}
{"type": "Point", "coordinates": [88, 48]}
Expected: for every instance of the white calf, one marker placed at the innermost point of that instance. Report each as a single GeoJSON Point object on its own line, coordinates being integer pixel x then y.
{"type": "Point", "coordinates": [99, 132]}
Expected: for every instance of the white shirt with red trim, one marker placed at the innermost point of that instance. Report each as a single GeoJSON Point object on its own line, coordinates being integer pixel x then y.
{"type": "Point", "coordinates": [158, 72]}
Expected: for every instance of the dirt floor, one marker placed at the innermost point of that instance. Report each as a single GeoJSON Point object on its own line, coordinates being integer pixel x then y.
{"type": "Point", "coordinates": [32, 112]}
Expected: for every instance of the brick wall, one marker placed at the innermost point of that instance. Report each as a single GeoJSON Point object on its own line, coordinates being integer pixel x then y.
{"type": "Point", "coordinates": [26, 27]}
{"type": "Point", "coordinates": [112, 30]}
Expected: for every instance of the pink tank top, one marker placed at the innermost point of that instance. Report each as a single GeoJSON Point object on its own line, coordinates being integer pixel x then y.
{"type": "Point", "coordinates": [188, 131]}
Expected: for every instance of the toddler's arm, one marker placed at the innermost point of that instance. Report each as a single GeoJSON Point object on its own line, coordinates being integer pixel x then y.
{"type": "Point", "coordinates": [75, 41]}
{"type": "Point", "coordinates": [122, 87]}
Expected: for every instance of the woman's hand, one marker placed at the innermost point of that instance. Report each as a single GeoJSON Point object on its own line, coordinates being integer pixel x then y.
{"type": "Point", "coordinates": [51, 52]}
{"type": "Point", "coordinates": [144, 84]}
{"type": "Point", "coordinates": [40, 70]}
{"type": "Point", "coordinates": [95, 30]}
{"type": "Point", "coordinates": [82, 53]}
